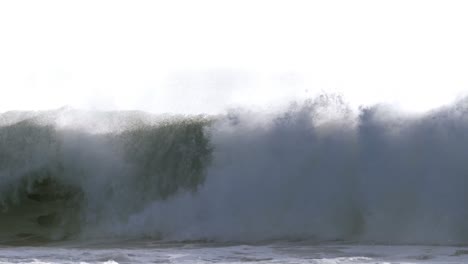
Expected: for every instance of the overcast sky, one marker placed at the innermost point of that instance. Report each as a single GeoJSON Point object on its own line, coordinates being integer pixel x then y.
{"type": "Point", "coordinates": [203, 56]}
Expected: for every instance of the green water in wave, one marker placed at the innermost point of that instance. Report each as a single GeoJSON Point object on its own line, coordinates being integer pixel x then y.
{"type": "Point", "coordinates": [55, 182]}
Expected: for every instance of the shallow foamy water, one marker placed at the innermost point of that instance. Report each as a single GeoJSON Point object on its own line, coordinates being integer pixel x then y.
{"type": "Point", "coordinates": [151, 252]}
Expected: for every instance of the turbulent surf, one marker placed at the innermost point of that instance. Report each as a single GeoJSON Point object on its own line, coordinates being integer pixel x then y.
{"type": "Point", "coordinates": [316, 170]}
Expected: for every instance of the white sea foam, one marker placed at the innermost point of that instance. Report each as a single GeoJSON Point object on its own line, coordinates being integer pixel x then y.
{"type": "Point", "coordinates": [286, 253]}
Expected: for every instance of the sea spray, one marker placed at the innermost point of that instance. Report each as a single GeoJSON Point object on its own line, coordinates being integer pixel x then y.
{"type": "Point", "coordinates": [316, 170]}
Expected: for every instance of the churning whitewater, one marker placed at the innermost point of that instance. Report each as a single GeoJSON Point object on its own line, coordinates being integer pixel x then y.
{"type": "Point", "coordinates": [316, 170]}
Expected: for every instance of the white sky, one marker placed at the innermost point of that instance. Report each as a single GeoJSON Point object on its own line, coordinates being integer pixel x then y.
{"type": "Point", "coordinates": [203, 56]}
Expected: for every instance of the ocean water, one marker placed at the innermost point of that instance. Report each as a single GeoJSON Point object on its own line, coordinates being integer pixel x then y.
{"type": "Point", "coordinates": [279, 252]}
{"type": "Point", "coordinates": [243, 182]}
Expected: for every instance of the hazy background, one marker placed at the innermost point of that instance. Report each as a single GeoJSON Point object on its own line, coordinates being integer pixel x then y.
{"type": "Point", "coordinates": [205, 56]}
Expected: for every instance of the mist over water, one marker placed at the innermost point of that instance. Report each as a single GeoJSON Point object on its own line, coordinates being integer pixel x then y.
{"type": "Point", "coordinates": [315, 170]}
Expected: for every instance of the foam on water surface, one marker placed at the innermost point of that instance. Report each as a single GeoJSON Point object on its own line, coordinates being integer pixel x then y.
{"type": "Point", "coordinates": [286, 253]}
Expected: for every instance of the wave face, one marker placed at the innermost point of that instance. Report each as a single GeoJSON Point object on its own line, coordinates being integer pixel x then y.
{"type": "Point", "coordinates": [64, 172]}
{"type": "Point", "coordinates": [316, 170]}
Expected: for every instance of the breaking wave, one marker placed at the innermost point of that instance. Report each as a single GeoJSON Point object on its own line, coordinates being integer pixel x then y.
{"type": "Point", "coordinates": [316, 170]}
